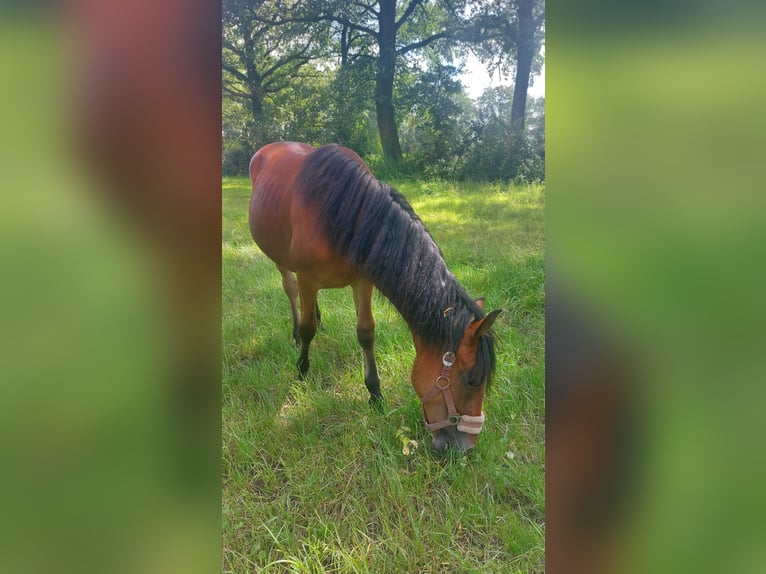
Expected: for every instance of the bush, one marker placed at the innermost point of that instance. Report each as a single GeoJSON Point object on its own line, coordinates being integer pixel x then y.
{"type": "Point", "coordinates": [236, 158]}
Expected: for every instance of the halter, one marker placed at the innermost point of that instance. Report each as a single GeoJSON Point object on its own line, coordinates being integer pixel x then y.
{"type": "Point", "coordinates": [465, 423]}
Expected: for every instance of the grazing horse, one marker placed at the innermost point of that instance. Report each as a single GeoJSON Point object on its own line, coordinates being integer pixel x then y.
{"type": "Point", "coordinates": [326, 222]}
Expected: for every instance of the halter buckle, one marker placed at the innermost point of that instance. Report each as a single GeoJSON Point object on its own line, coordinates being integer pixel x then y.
{"type": "Point", "coordinates": [443, 386]}
{"type": "Point", "coordinates": [448, 359]}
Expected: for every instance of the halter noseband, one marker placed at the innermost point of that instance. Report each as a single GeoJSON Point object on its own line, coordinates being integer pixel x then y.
{"type": "Point", "coordinates": [465, 423]}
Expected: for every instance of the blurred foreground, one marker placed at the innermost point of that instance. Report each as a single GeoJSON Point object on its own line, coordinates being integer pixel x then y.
{"type": "Point", "coordinates": [110, 249]}
{"type": "Point", "coordinates": [655, 237]}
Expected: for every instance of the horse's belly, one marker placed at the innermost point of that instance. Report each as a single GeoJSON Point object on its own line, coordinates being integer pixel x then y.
{"type": "Point", "coordinates": [272, 240]}
{"type": "Point", "coordinates": [301, 247]}
{"type": "Point", "coordinates": [313, 257]}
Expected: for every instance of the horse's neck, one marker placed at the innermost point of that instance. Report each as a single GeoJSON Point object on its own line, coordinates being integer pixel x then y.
{"type": "Point", "coordinates": [428, 305]}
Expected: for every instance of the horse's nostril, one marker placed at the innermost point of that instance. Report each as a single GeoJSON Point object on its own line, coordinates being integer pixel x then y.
{"type": "Point", "coordinates": [457, 441]}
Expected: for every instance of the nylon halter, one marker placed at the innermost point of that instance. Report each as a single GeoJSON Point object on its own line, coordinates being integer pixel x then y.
{"type": "Point", "coordinates": [465, 423]}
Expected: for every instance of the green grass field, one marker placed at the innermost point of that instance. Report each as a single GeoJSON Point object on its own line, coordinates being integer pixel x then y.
{"type": "Point", "coordinates": [316, 481]}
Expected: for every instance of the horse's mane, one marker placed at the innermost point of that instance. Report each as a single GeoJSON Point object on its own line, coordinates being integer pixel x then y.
{"type": "Point", "coordinates": [375, 227]}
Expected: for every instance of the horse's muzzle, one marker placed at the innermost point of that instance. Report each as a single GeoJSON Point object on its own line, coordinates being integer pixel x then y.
{"type": "Point", "coordinates": [456, 440]}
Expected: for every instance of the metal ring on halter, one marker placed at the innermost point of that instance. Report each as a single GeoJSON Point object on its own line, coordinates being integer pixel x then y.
{"type": "Point", "coordinates": [448, 359]}
{"type": "Point", "coordinates": [454, 419]}
{"type": "Point", "coordinates": [439, 386]}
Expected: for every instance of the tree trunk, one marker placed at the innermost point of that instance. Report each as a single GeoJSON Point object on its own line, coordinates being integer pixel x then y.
{"type": "Point", "coordinates": [344, 41]}
{"type": "Point", "coordinates": [259, 121]}
{"type": "Point", "coordinates": [384, 82]}
{"type": "Point", "coordinates": [384, 109]}
{"type": "Point", "coordinates": [254, 86]}
{"type": "Point", "coordinates": [521, 87]}
{"type": "Point", "coordinates": [256, 106]}
{"type": "Point", "coordinates": [525, 53]}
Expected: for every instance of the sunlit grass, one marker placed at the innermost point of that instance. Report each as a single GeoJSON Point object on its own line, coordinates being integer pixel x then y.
{"type": "Point", "coordinates": [314, 480]}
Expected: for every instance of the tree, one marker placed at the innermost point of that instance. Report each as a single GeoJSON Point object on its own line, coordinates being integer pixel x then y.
{"type": "Point", "coordinates": [437, 117]}
{"type": "Point", "coordinates": [352, 115]}
{"type": "Point", "coordinates": [236, 127]}
{"type": "Point", "coordinates": [510, 32]}
{"type": "Point", "coordinates": [385, 32]}
{"type": "Point", "coordinates": [378, 75]}
{"type": "Point", "coordinates": [489, 156]}
{"type": "Point", "coordinates": [259, 60]}
{"type": "Point", "coordinates": [528, 37]}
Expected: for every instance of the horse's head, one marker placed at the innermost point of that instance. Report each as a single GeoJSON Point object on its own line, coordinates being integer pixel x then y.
{"type": "Point", "coordinates": [451, 385]}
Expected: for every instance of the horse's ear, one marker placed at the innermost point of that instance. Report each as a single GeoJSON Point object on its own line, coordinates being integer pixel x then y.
{"type": "Point", "coordinates": [477, 328]}
{"type": "Point", "coordinates": [480, 303]}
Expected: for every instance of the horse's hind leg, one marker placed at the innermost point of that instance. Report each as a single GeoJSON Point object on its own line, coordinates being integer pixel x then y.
{"type": "Point", "coordinates": [365, 333]}
{"type": "Point", "coordinates": [307, 326]}
{"type": "Point", "coordinates": [290, 285]}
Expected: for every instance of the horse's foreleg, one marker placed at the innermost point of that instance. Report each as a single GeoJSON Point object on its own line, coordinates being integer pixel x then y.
{"type": "Point", "coordinates": [307, 327]}
{"type": "Point", "coordinates": [365, 333]}
{"type": "Point", "coordinates": [319, 317]}
{"type": "Point", "coordinates": [290, 285]}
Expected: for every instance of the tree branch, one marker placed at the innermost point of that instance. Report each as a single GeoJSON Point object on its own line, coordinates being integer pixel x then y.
{"type": "Point", "coordinates": [350, 24]}
{"type": "Point", "coordinates": [273, 87]}
{"type": "Point", "coordinates": [232, 47]}
{"type": "Point", "coordinates": [299, 57]}
{"type": "Point", "coordinates": [323, 17]}
{"type": "Point", "coordinates": [236, 73]}
{"type": "Point", "coordinates": [410, 7]}
{"type": "Point", "coordinates": [236, 94]}
{"type": "Point", "coordinates": [415, 45]}
{"type": "Point", "coordinates": [367, 8]}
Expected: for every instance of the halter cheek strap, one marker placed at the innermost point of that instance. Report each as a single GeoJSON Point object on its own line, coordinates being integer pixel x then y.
{"type": "Point", "coordinates": [465, 423]}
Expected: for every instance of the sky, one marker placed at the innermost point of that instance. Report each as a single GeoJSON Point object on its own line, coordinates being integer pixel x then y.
{"type": "Point", "coordinates": [476, 79]}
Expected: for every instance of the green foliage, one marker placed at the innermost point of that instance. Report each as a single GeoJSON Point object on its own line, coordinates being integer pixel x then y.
{"type": "Point", "coordinates": [311, 72]}
{"type": "Point", "coordinates": [444, 134]}
{"type": "Point", "coordinates": [316, 481]}
{"type": "Point", "coordinates": [260, 61]}
{"type": "Point", "coordinates": [494, 151]}
{"type": "Point", "coordinates": [237, 147]}
{"type": "Point", "coordinates": [352, 122]}
{"type": "Point", "coordinates": [436, 119]}
{"type": "Point", "coordinates": [496, 30]}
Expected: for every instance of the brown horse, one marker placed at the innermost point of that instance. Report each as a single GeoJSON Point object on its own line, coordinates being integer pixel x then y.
{"type": "Point", "coordinates": [326, 222]}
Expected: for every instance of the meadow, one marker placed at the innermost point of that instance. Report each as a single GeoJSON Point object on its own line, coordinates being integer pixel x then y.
{"type": "Point", "coordinates": [314, 480]}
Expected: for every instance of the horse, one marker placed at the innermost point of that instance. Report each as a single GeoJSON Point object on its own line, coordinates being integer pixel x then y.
{"type": "Point", "coordinates": [326, 222]}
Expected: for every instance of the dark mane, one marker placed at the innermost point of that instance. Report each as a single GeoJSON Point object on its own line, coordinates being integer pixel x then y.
{"type": "Point", "coordinates": [375, 227]}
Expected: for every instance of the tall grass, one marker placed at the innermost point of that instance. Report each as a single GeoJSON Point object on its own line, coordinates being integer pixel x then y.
{"type": "Point", "coordinates": [316, 481]}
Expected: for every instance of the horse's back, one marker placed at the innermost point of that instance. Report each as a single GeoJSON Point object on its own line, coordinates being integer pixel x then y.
{"type": "Point", "coordinates": [275, 153]}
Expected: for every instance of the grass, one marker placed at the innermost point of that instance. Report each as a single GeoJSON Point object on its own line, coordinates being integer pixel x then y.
{"type": "Point", "coordinates": [316, 481]}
